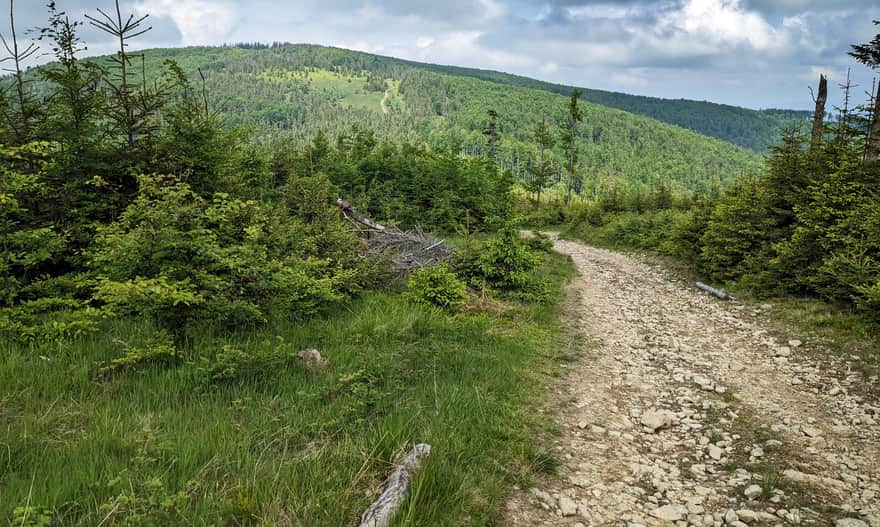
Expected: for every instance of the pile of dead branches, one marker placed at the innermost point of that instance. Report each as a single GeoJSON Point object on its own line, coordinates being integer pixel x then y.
{"type": "Point", "coordinates": [408, 250]}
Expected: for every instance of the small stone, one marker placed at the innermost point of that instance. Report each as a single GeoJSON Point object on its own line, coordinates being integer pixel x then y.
{"type": "Point", "coordinates": [567, 506]}
{"type": "Point", "coordinates": [795, 343]}
{"type": "Point", "coordinates": [312, 358]}
{"type": "Point", "coordinates": [834, 391]}
{"type": "Point", "coordinates": [747, 516]}
{"type": "Point", "coordinates": [715, 452]}
{"type": "Point", "coordinates": [811, 431]}
{"type": "Point", "coordinates": [730, 516]}
{"type": "Point", "coordinates": [757, 452]}
{"type": "Point", "coordinates": [782, 351]}
{"type": "Point", "coordinates": [582, 425]}
{"type": "Point", "coordinates": [850, 522]}
{"type": "Point", "coordinates": [655, 420]}
{"type": "Point", "coordinates": [674, 513]}
{"type": "Point", "coordinates": [752, 491]}
{"type": "Point", "coordinates": [598, 430]}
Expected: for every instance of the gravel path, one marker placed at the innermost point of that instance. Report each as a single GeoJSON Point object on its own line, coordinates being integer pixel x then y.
{"type": "Point", "coordinates": [688, 411]}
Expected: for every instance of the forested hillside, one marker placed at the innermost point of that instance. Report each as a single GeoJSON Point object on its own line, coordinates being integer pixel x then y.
{"type": "Point", "coordinates": [292, 91]}
{"type": "Point", "coordinates": [753, 129]}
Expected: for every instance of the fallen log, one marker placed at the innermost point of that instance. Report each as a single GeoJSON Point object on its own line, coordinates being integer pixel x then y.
{"type": "Point", "coordinates": [409, 250]}
{"type": "Point", "coordinates": [395, 489]}
{"type": "Point", "coordinates": [711, 290]}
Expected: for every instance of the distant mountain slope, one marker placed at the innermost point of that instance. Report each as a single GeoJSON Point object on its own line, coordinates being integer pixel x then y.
{"type": "Point", "coordinates": [295, 90]}
{"type": "Point", "coordinates": [290, 92]}
{"type": "Point", "coordinates": [753, 129]}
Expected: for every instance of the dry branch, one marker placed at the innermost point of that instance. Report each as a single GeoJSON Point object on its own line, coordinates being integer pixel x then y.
{"type": "Point", "coordinates": [395, 489]}
{"type": "Point", "coordinates": [720, 293]}
{"type": "Point", "coordinates": [409, 250]}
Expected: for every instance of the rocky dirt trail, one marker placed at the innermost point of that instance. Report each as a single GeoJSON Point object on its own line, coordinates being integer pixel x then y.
{"type": "Point", "coordinates": [688, 411]}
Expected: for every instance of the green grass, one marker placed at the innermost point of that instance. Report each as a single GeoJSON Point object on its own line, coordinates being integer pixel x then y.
{"type": "Point", "coordinates": [289, 446]}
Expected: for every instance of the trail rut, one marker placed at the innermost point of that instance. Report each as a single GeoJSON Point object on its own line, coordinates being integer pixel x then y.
{"type": "Point", "coordinates": [689, 411]}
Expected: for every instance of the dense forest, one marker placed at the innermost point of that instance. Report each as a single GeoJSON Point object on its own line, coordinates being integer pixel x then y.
{"type": "Point", "coordinates": [290, 92]}
{"type": "Point", "coordinates": [753, 129]}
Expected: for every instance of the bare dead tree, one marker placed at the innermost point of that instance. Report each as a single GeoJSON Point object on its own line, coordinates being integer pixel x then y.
{"type": "Point", "coordinates": [21, 117]}
{"type": "Point", "coordinates": [123, 30]}
{"type": "Point", "coordinates": [819, 114]}
{"type": "Point", "coordinates": [409, 250]}
{"type": "Point", "coordinates": [872, 137]}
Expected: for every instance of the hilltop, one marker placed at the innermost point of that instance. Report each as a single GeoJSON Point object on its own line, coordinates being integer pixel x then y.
{"type": "Point", "coordinates": [291, 91]}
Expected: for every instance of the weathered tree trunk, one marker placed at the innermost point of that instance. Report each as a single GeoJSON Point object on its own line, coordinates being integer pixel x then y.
{"type": "Point", "coordinates": [872, 150]}
{"type": "Point", "coordinates": [819, 114]}
{"type": "Point", "coordinates": [720, 293]}
{"type": "Point", "coordinates": [395, 489]}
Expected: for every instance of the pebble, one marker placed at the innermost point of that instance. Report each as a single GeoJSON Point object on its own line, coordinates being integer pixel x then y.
{"type": "Point", "coordinates": [753, 491]}
{"type": "Point", "coordinates": [672, 513]}
{"type": "Point", "coordinates": [567, 506]}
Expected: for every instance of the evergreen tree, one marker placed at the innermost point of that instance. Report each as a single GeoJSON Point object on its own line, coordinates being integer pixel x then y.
{"type": "Point", "coordinates": [543, 169]}
{"type": "Point", "coordinates": [491, 132]}
{"type": "Point", "coordinates": [568, 138]}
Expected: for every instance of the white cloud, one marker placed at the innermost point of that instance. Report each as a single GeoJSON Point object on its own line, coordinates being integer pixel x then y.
{"type": "Point", "coordinates": [549, 68]}
{"type": "Point", "coordinates": [199, 21]}
{"type": "Point", "coordinates": [725, 23]}
{"type": "Point", "coordinates": [424, 42]}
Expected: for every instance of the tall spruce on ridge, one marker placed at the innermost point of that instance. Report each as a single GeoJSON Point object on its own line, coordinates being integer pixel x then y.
{"type": "Point", "coordinates": [491, 132]}
{"type": "Point", "coordinates": [543, 169]}
{"type": "Point", "coordinates": [568, 138]}
{"type": "Point", "coordinates": [869, 55]}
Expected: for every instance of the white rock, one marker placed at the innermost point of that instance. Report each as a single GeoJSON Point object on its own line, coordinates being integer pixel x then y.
{"type": "Point", "coordinates": [782, 351]}
{"type": "Point", "coordinates": [674, 513]}
{"type": "Point", "coordinates": [730, 516]}
{"type": "Point", "coordinates": [795, 343]}
{"type": "Point", "coordinates": [850, 522]}
{"type": "Point", "coordinates": [752, 491]}
{"type": "Point", "coordinates": [567, 506]}
{"type": "Point", "coordinates": [747, 516]}
{"type": "Point", "coordinates": [715, 452]}
{"type": "Point", "coordinates": [655, 420]}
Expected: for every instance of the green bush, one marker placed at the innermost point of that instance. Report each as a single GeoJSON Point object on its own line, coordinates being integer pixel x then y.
{"type": "Point", "coordinates": [177, 258]}
{"type": "Point", "coordinates": [540, 242]}
{"type": "Point", "coordinates": [436, 286]}
{"type": "Point", "coordinates": [506, 260]}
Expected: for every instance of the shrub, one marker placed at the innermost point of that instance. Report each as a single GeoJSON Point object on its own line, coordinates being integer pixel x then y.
{"type": "Point", "coordinates": [540, 242]}
{"type": "Point", "coordinates": [159, 350]}
{"type": "Point", "coordinates": [506, 260]}
{"type": "Point", "coordinates": [436, 286]}
{"type": "Point", "coordinates": [177, 258]}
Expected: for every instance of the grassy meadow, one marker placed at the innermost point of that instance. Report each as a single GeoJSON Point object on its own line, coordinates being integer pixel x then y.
{"type": "Point", "coordinates": [277, 443]}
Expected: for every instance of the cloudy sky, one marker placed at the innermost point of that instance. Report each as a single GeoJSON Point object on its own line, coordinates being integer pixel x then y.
{"type": "Point", "coordinates": [755, 53]}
